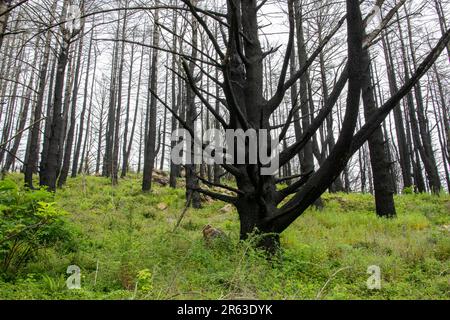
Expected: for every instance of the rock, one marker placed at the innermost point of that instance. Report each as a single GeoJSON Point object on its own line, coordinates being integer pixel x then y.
{"type": "Point", "coordinates": [227, 209]}
{"type": "Point", "coordinates": [162, 206]}
{"type": "Point", "coordinates": [206, 199]}
{"type": "Point", "coordinates": [160, 177]}
{"type": "Point", "coordinates": [210, 233]}
{"type": "Point", "coordinates": [161, 173]}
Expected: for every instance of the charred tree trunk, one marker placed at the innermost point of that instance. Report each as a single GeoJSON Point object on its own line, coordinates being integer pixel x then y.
{"type": "Point", "coordinates": [73, 113]}
{"type": "Point", "coordinates": [12, 154]}
{"type": "Point", "coordinates": [174, 168]}
{"type": "Point", "coordinates": [127, 117]}
{"type": "Point", "coordinates": [32, 146]}
{"type": "Point", "coordinates": [4, 15]}
{"type": "Point", "coordinates": [405, 162]}
{"type": "Point", "coordinates": [110, 124]}
{"type": "Point", "coordinates": [382, 179]}
{"type": "Point", "coordinates": [76, 155]}
{"type": "Point", "coordinates": [150, 143]}
{"type": "Point", "coordinates": [49, 164]}
{"type": "Point", "coordinates": [192, 196]}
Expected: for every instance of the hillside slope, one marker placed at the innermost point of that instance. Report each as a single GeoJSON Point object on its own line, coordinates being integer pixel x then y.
{"type": "Point", "coordinates": [124, 243]}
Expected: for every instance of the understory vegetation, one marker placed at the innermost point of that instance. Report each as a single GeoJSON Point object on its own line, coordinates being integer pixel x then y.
{"type": "Point", "coordinates": [126, 247]}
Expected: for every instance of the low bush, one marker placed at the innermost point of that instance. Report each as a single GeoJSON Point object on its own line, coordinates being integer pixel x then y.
{"type": "Point", "coordinates": [29, 220]}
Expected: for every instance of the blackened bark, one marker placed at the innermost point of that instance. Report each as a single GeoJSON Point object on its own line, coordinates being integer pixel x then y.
{"type": "Point", "coordinates": [110, 124]}
{"type": "Point", "coordinates": [382, 179]}
{"type": "Point", "coordinates": [73, 111]}
{"type": "Point", "coordinates": [33, 146]}
{"type": "Point", "coordinates": [3, 19]}
{"type": "Point", "coordinates": [307, 163]}
{"type": "Point", "coordinates": [174, 168]}
{"type": "Point", "coordinates": [50, 164]}
{"type": "Point", "coordinates": [23, 117]}
{"type": "Point", "coordinates": [405, 162]}
{"type": "Point", "coordinates": [419, 124]}
{"type": "Point", "coordinates": [164, 122]}
{"type": "Point", "coordinates": [84, 155]}
{"type": "Point", "coordinates": [76, 155]}
{"type": "Point", "coordinates": [49, 115]}
{"type": "Point", "coordinates": [49, 168]}
{"type": "Point", "coordinates": [150, 143]}
{"type": "Point", "coordinates": [127, 117]}
{"type": "Point", "coordinates": [100, 135]}
{"type": "Point", "coordinates": [442, 22]}
{"type": "Point", "coordinates": [191, 114]}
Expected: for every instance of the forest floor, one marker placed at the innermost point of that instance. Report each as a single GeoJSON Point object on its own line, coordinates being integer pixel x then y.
{"type": "Point", "coordinates": [124, 244]}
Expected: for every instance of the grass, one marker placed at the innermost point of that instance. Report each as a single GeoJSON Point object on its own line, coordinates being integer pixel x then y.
{"type": "Point", "coordinates": [325, 254]}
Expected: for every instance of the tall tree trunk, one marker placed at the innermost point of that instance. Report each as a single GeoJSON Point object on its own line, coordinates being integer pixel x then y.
{"type": "Point", "coordinates": [76, 155]}
{"type": "Point", "coordinates": [49, 166]}
{"type": "Point", "coordinates": [110, 124]}
{"type": "Point", "coordinates": [174, 168]}
{"type": "Point", "coordinates": [88, 123]}
{"type": "Point", "coordinates": [424, 140]}
{"type": "Point", "coordinates": [164, 122]}
{"type": "Point", "coordinates": [116, 144]}
{"type": "Point", "coordinates": [48, 114]}
{"type": "Point", "coordinates": [191, 114]}
{"type": "Point", "coordinates": [442, 22]}
{"type": "Point", "coordinates": [150, 143]}
{"type": "Point", "coordinates": [382, 179]}
{"type": "Point", "coordinates": [307, 162]}
{"type": "Point", "coordinates": [3, 19]}
{"type": "Point", "coordinates": [405, 162]}
{"type": "Point", "coordinates": [133, 127]}
{"type": "Point", "coordinates": [16, 72]}
{"type": "Point", "coordinates": [23, 116]}
{"type": "Point", "coordinates": [33, 146]}
{"type": "Point", "coordinates": [127, 117]}
{"type": "Point", "coordinates": [73, 113]}
{"type": "Point", "coordinates": [100, 135]}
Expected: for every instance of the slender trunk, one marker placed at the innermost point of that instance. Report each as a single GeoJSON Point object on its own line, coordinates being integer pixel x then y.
{"type": "Point", "coordinates": [127, 117]}
{"type": "Point", "coordinates": [174, 168]}
{"type": "Point", "coordinates": [49, 167]}
{"type": "Point", "coordinates": [88, 123]}
{"type": "Point", "coordinates": [191, 114]}
{"type": "Point", "coordinates": [83, 111]}
{"type": "Point", "coordinates": [382, 179]}
{"type": "Point", "coordinates": [420, 127]}
{"type": "Point", "coordinates": [23, 117]}
{"type": "Point", "coordinates": [150, 143]}
{"type": "Point", "coordinates": [73, 112]}
{"type": "Point", "coordinates": [3, 19]}
{"type": "Point", "coordinates": [164, 124]}
{"type": "Point", "coordinates": [100, 135]}
{"type": "Point", "coordinates": [33, 146]}
{"type": "Point", "coordinates": [110, 124]}
{"type": "Point", "coordinates": [405, 163]}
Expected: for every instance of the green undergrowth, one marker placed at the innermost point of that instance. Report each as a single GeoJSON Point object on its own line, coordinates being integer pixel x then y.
{"type": "Point", "coordinates": [126, 247]}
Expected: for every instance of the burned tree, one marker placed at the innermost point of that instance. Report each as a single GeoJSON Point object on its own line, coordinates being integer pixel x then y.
{"type": "Point", "coordinates": [241, 66]}
{"type": "Point", "coordinates": [49, 168]}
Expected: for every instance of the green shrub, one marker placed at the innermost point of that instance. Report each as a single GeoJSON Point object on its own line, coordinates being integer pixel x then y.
{"type": "Point", "coordinates": [29, 220]}
{"type": "Point", "coordinates": [408, 190]}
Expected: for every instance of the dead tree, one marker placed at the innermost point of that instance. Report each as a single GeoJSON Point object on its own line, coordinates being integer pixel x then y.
{"type": "Point", "coordinates": [150, 143]}
{"type": "Point", "coordinates": [49, 165]}
{"type": "Point", "coordinates": [257, 198]}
